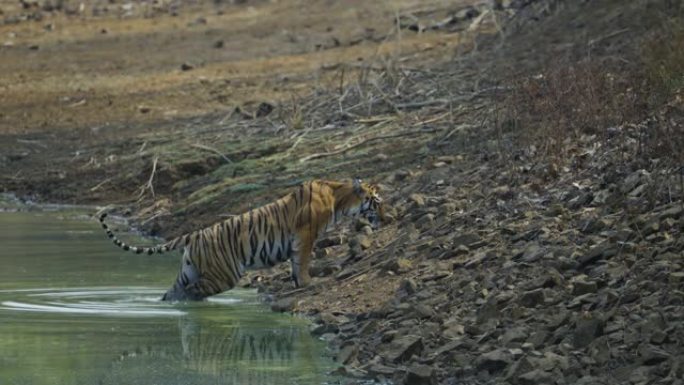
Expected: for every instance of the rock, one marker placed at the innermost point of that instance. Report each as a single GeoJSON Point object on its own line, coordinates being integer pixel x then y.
{"type": "Point", "coordinates": [402, 348]}
{"type": "Point", "coordinates": [283, 305]}
{"type": "Point", "coordinates": [494, 361]}
{"type": "Point", "coordinates": [417, 199]}
{"type": "Point", "coordinates": [466, 13]}
{"type": "Point", "coordinates": [347, 353]}
{"type": "Point", "coordinates": [536, 377]}
{"type": "Point", "coordinates": [552, 361]}
{"type": "Point", "coordinates": [418, 374]}
{"type": "Point", "coordinates": [365, 242]}
{"type": "Point", "coordinates": [407, 287]}
{"type": "Point", "coordinates": [465, 240]}
{"type": "Point", "coordinates": [538, 338]}
{"type": "Point", "coordinates": [325, 328]}
{"type": "Point", "coordinates": [652, 355]}
{"type": "Point", "coordinates": [422, 311]}
{"type": "Point", "coordinates": [532, 253]}
{"type": "Point", "coordinates": [672, 213]}
{"type": "Point", "coordinates": [586, 330]}
{"type": "Point", "coordinates": [676, 278]}
{"type": "Point", "coordinates": [426, 221]}
{"type": "Point", "coordinates": [378, 370]}
{"type": "Point", "coordinates": [582, 286]}
{"type": "Point", "coordinates": [603, 251]}
{"type": "Point", "coordinates": [477, 259]}
{"type": "Point", "coordinates": [453, 330]}
{"type": "Point", "coordinates": [398, 266]}
{"type": "Point", "coordinates": [532, 298]}
{"type": "Point", "coordinates": [518, 368]}
{"type": "Point", "coordinates": [515, 334]}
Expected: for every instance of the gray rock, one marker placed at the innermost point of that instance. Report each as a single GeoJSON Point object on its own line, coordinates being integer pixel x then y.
{"type": "Point", "coordinates": [586, 331]}
{"type": "Point", "coordinates": [426, 221]}
{"type": "Point", "coordinates": [347, 353]}
{"type": "Point", "coordinates": [602, 251]}
{"type": "Point", "coordinates": [520, 367]}
{"type": "Point", "coordinates": [324, 329]}
{"type": "Point", "coordinates": [551, 361]}
{"type": "Point", "coordinates": [417, 199]}
{"type": "Point", "coordinates": [402, 348]}
{"type": "Point", "coordinates": [407, 287]}
{"type": "Point", "coordinates": [365, 242]}
{"type": "Point", "coordinates": [418, 374]}
{"type": "Point", "coordinates": [379, 370]}
{"type": "Point", "coordinates": [532, 253]}
{"type": "Point", "coordinates": [494, 361]}
{"type": "Point", "coordinates": [283, 305]}
{"type": "Point", "coordinates": [536, 377]}
{"type": "Point", "coordinates": [676, 277]}
{"type": "Point", "coordinates": [532, 298]}
{"type": "Point", "coordinates": [423, 311]}
{"type": "Point", "coordinates": [652, 355]}
{"type": "Point", "coordinates": [465, 240]}
{"type": "Point", "coordinates": [582, 286]}
{"type": "Point", "coordinates": [672, 213]}
{"type": "Point", "coordinates": [538, 338]}
{"type": "Point", "coordinates": [515, 334]}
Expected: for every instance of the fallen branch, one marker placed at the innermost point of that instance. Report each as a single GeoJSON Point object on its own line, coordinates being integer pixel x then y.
{"type": "Point", "coordinates": [425, 103]}
{"type": "Point", "coordinates": [148, 185]}
{"type": "Point", "coordinates": [97, 186]}
{"type": "Point", "coordinates": [365, 141]}
{"type": "Point", "coordinates": [211, 149]}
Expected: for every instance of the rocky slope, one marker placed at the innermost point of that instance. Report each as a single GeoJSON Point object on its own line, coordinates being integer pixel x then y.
{"type": "Point", "coordinates": [491, 280]}
{"type": "Point", "coordinates": [513, 267]}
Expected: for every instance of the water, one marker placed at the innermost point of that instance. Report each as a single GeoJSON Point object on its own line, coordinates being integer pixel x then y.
{"type": "Point", "coordinates": [74, 309]}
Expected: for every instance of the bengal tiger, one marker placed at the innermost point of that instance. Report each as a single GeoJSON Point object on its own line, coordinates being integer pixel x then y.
{"type": "Point", "coordinates": [214, 258]}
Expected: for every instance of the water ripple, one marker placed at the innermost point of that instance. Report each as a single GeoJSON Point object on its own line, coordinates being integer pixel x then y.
{"type": "Point", "coordinates": [108, 301]}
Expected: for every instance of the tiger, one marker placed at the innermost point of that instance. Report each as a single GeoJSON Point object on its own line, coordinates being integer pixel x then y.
{"type": "Point", "coordinates": [216, 257]}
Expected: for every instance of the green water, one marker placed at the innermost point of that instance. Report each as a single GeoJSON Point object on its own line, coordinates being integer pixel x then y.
{"type": "Point", "coordinates": [74, 309]}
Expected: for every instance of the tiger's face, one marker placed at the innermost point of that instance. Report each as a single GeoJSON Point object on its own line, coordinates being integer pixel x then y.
{"type": "Point", "coordinates": [371, 206]}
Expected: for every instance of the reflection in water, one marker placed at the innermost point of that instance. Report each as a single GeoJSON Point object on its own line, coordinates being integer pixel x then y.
{"type": "Point", "coordinates": [92, 321]}
{"type": "Point", "coordinates": [234, 355]}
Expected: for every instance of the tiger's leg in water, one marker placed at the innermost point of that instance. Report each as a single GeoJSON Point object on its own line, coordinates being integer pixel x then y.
{"type": "Point", "coordinates": [187, 276]}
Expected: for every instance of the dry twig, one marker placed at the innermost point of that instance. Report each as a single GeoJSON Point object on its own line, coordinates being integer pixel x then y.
{"type": "Point", "coordinates": [211, 149]}
{"type": "Point", "coordinates": [148, 185]}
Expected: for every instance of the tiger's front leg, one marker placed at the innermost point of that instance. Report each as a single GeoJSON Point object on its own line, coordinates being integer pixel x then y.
{"type": "Point", "coordinates": [301, 259]}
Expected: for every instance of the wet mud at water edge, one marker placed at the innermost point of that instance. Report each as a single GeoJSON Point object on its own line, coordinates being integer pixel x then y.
{"type": "Point", "coordinates": [76, 310]}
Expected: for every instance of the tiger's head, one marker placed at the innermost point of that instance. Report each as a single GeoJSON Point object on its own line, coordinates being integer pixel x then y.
{"type": "Point", "coordinates": [360, 198]}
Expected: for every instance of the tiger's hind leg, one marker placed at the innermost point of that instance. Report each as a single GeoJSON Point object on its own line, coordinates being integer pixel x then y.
{"type": "Point", "coordinates": [188, 276]}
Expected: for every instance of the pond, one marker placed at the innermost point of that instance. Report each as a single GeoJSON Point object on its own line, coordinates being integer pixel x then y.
{"type": "Point", "coordinates": [75, 309]}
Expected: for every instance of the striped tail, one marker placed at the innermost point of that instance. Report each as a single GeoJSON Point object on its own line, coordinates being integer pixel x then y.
{"type": "Point", "coordinates": [136, 249]}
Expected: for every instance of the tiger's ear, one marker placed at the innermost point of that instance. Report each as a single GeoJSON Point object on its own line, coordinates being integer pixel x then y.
{"type": "Point", "coordinates": [356, 183]}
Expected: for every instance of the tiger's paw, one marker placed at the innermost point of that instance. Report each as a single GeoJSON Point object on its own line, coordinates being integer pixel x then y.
{"type": "Point", "coordinates": [301, 281]}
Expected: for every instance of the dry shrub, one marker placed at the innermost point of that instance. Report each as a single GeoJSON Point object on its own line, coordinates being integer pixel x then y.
{"type": "Point", "coordinates": [616, 102]}
{"type": "Point", "coordinates": [663, 58]}
{"type": "Point", "coordinates": [552, 109]}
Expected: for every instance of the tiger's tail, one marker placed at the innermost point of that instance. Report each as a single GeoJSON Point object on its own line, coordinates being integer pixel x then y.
{"type": "Point", "coordinates": [162, 248]}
